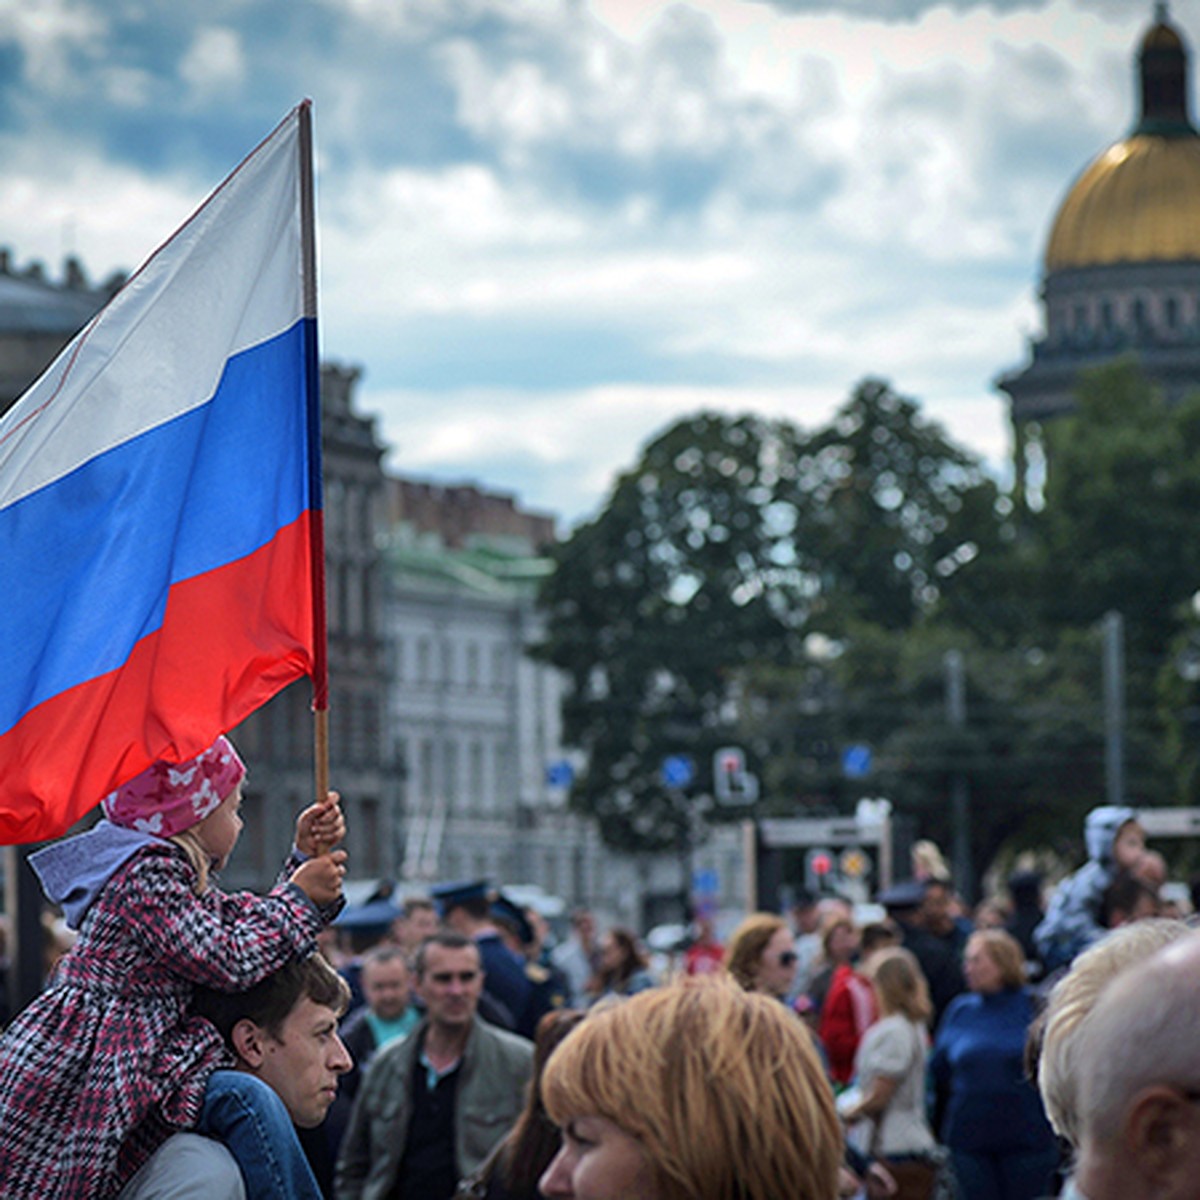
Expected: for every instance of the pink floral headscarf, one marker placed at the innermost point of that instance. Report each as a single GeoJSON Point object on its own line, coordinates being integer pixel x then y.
{"type": "Point", "coordinates": [167, 798]}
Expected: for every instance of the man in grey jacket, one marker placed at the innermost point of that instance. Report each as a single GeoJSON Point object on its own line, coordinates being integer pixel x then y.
{"type": "Point", "coordinates": [433, 1105]}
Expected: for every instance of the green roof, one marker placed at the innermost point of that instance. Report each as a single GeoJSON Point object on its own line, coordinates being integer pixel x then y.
{"type": "Point", "coordinates": [488, 567]}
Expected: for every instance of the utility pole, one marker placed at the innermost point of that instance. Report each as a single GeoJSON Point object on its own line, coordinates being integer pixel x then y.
{"type": "Point", "coordinates": [956, 716]}
{"type": "Point", "coordinates": [1114, 707]}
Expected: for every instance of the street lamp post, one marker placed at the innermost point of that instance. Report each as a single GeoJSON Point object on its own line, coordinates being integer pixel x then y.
{"type": "Point", "coordinates": [956, 715]}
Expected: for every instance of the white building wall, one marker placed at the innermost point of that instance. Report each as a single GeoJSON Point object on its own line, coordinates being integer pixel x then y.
{"type": "Point", "coordinates": [478, 721]}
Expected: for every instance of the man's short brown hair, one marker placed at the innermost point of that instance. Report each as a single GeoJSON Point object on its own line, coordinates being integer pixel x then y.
{"type": "Point", "coordinates": [269, 1003]}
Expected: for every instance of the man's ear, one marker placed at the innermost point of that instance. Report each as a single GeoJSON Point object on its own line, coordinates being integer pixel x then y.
{"type": "Point", "coordinates": [248, 1042]}
{"type": "Point", "coordinates": [1161, 1126]}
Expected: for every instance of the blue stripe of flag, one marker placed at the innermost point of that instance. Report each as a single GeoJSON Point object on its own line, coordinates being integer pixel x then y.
{"type": "Point", "coordinates": [86, 558]}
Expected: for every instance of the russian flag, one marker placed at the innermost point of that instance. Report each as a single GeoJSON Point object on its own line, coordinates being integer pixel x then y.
{"type": "Point", "coordinates": [161, 549]}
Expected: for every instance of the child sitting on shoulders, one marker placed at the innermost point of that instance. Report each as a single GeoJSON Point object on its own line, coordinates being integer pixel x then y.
{"type": "Point", "coordinates": [109, 1060]}
{"type": "Point", "coordinates": [1116, 842]}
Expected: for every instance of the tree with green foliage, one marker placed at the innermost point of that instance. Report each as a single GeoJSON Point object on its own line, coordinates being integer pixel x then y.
{"type": "Point", "coordinates": [1118, 530]}
{"type": "Point", "coordinates": [1177, 692]}
{"type": "Point", "coordinates": [891, 513]}
{"type": "Point", "coordinates": [657, 604]}
{"type": "Point", "coordinates": [1031, 749]}
{"type": "Point", "coordinates": [729, 544]}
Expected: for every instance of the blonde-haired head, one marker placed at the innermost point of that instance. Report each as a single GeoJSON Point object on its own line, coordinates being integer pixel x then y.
{"type": "Point", "coordinates": [745, 948]}
{"type": "Point", "coordinates": [722, 1088]}
{"type": "Point", "coordinates": [1005, 951]}
{"type": "Point", "coordinates": [189, 842]}
{"type": "Point", "coordinates": [928, 861]}
{"type": "Point", "coordinates": [1072, 1001]}
{"type": "Point", "coordinates": [900, 984]}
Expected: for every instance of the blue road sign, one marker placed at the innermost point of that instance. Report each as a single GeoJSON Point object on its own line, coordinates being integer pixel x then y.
{"type": "Point", "coordinates": [856, 762]}
{"type": "Point", "coordinates": [560, 774]}
{"type": "Point", "coordinates": [678, 771]}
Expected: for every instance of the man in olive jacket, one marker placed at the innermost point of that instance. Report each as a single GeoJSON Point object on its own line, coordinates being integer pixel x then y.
{"type": "Point", "coordinates": [434, 1104]}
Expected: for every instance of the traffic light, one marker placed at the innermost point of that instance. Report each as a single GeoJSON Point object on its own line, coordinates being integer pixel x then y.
{"type": "Point", "coordinates": [732, 783]}
{"type": "Point", "coordinates": [819, 865]}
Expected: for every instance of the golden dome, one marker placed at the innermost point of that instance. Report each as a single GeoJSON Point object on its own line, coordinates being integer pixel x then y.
{"type": "Point", "coordinates": [1162, 37]}
{"type": "Point", "coordinates": [1138, 202]}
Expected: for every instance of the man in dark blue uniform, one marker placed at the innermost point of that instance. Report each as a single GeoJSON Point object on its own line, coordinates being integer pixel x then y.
{"type": "Point", "coordinates": [548, 984]}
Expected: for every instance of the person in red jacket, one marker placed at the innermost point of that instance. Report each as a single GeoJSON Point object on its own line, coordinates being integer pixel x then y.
{"type": "Point", "coordinates": [850, 1007]}
{"type": "Point", "coordinates": [705, 955]}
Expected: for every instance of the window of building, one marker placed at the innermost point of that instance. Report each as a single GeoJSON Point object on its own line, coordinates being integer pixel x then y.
{"type": "Point", "coordinates": [345, 617]}
{"type": "Point", "coordinates": [1171, 312]}
{"type": "Point", "coordinates": [370, 837]}
{"type": "Point", "coordinates": [472, 665]}
{"type": "Point", "coordinates": [447, 663]}
{"type": "Point", "coordinates": [333, 510]}
{"type": "Point", "coordinates": [424, 652]}
{"type": "Point", "coordinates": [450, 773]}
{"type": "Point", "coordinates": [366, 517]}
{"type": "Point", "coordinates": [253, 850]}
{"type": "Point", "coordinates": [476, 781]}
{"type": "Point", "coordinates": [404, 762]}
{"type": "Point", "coordinates": [372, 728]}
{"type": "Point", "coordinates": [498, 781]}
{"type": "Point", "coordinates": [341, 726]}
{"type": "Point", "coordinates": [425, 782]}
{"type": "Point", "coordinates": [300, 721]}
{"type": "Point", "coordinates": [366, 599]}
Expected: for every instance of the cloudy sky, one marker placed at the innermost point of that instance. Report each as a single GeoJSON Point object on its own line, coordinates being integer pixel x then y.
{"type": "Point", "coordinates": [550, 228]}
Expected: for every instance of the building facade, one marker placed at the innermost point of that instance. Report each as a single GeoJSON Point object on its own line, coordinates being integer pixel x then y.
{"type": "Point", "coordinates": [477, 719]}
{"type": "Point", "coordinates": [1121, 272]}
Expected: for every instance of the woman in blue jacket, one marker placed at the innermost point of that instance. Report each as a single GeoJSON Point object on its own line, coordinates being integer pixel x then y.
{"type": "Point", "coordinates": [995, 1127]}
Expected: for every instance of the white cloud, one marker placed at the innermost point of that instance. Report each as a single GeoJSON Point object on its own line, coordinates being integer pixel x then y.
{"type": "Point", "coordinates": [214, 61]}
{"type": "Point", "coordinates": [112, 217]}
{"type": "Point", "coordinates": [568, 447]}
{"type": "Point", "coordinates": [47, 33]}
{"type": "Point", "coordinates": [756, 208]}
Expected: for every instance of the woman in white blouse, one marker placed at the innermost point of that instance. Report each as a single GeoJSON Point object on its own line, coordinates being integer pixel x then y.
{"type": "Point", "coordinates": [890, 1075]}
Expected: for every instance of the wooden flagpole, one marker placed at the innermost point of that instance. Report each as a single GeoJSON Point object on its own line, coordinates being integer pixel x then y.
{"type": "Point", "coordinates": [313, 372]}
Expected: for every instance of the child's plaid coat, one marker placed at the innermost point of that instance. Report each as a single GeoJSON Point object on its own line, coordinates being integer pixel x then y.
{"type": "Point", "coordinates": [107, 1062]}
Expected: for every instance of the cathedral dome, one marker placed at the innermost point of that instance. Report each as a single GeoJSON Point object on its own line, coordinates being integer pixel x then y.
{"type": "Point", "coordinates": [1139, 201]}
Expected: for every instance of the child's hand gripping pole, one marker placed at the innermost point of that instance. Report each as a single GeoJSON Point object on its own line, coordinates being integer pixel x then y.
{"type": "Point", "coordinates": [320, 826]}
{"type": "Point", "coordinates": [321, 877]}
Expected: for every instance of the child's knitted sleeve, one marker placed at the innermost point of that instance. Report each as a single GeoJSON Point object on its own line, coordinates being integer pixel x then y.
{"type": "Point", "coordinates": [293, 861]}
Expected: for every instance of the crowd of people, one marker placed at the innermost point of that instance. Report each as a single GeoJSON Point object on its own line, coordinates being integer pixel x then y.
{"type": "Point", "coordinates": [192, 1042]}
